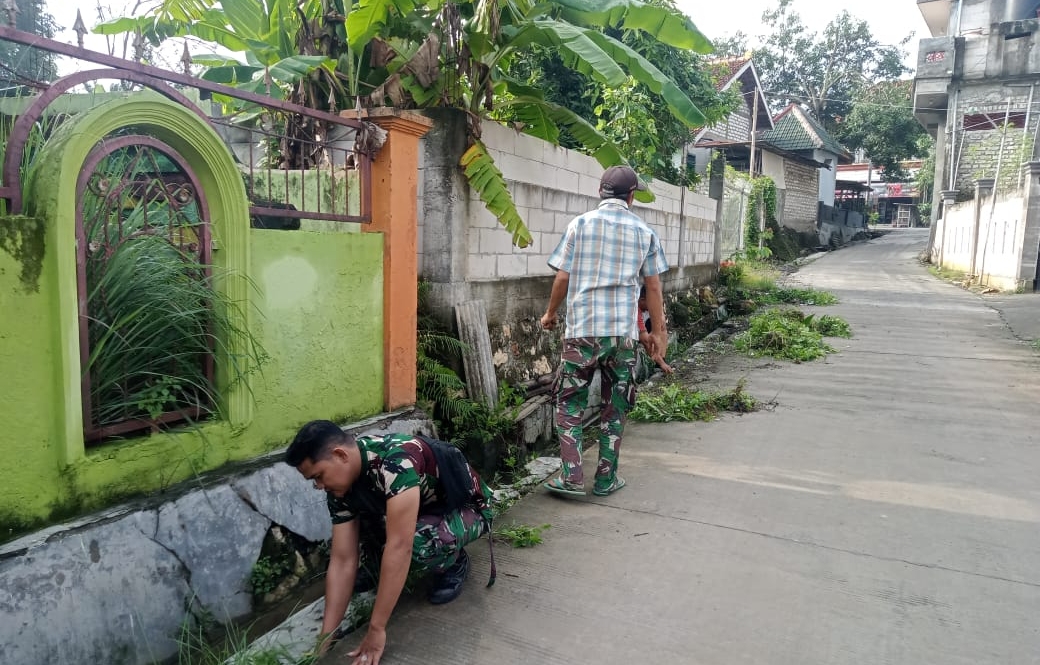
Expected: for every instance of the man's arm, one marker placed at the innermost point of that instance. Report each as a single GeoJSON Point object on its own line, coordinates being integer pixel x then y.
{"type": "Point", "coordinates": [402, 513]}
{"type": "Point", "coordinates": [556, 298]}
{"type": "Point", "coordinates": [339, 579]}
{"type": "Point", "coordinates": [655, 305]}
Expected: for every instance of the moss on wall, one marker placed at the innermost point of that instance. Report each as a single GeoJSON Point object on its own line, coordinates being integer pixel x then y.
{"type": "Point", "coordinates": [314, 302]}
{"type": "Point", "coordinates": [23, 239]}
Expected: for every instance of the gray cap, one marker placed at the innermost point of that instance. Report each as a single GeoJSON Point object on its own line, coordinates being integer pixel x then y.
{"type": "Point", "coordinates": [619, 182]}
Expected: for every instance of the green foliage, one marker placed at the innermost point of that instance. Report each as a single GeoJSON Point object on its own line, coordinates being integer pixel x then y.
{"type": "Point", "coordinates": [439, 389]}
{"type": "Point", "coordinates": [823, 72]}
{"type": "Point", "coordinates": [485, 178]}
{"type": "Point", "coordinates": [25, 65]}
{"type": "Point", "coordinates": [521, 535]}
{"type": "Point", "coordinates": [154, 311]}
{"type": "Point", "coordinates": [830, 326]}
{"type": "Point", "coordinates": [789, 335]}
{"type": "Point", "coordinates": [482, 424]}
{"type": "Point", "coordinates": [676, 402]}
{"type": "Point", "coordinates": [267, 573]}
{"type": "Point", "coordinates": [731, 274]}
{"type": "Point", "coordinates": [626, 118]}
{"type": "Point", "coordinates": [199, 644]}
{"type": "Point", "coordinates": [762, 201]}
{"type": "Point", "coordinates": [882, 122]}
{"type": "Point", "coordinates": [796, 296]}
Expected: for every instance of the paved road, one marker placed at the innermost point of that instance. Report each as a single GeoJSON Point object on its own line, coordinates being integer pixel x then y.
{"type": "Point", "coordinates": [886, 511]}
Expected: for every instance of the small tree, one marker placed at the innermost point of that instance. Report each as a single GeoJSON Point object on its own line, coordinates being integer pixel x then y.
{"type": "Point", "coordinates": [823, 72]}
{"type": "Point", "coordinates": [883, 124]}
{"type": "Point", "coordinates": [22, 66]}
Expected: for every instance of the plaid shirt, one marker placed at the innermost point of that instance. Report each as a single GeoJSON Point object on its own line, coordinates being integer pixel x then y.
{"type": "Point", "coordinates": [606, 251]}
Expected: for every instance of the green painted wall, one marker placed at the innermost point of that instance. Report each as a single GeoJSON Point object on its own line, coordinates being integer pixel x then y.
{"type": "Point", "coordinates": [314, 302]}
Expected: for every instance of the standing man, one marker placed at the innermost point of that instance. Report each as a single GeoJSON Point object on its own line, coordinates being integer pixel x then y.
{"type": "Point", "coordinates": [408, 498]}
{"type": "Point", "coordinates": [599, 263]}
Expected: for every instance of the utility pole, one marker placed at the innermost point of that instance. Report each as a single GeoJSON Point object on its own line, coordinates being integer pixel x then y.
{"type": "Point", "coordinates": [754, 133]}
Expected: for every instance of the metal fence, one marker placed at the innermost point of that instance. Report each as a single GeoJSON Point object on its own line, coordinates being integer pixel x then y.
{"type": "Point", "coordinates": [276, 163]}
{"type": "Point", "coordinates": [736, 193]}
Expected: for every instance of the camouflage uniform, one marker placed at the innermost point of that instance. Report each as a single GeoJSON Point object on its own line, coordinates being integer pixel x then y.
{"type": "Point", "coordinates": [393, 464]}
{"type": "Point", "coordinates": [606, 253]}
{"type": "Point", "coordinates": [615, 357]}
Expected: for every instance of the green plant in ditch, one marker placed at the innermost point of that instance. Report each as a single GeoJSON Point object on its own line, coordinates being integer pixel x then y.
{"type": "Point", "coordinates": [200, 644]}
{"type": "Point", "coordinates": [521, 535]}
{"type": "Point", "coordinates": [267, 573]}
{"type": "Point", "coordinates": [676, 402]}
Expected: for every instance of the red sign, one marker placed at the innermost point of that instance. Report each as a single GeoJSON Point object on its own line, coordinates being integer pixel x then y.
{"type": "Point", "coordinates": [935, 56]}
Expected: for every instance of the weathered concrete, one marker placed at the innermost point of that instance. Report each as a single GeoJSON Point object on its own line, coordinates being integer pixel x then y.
{"type": "Point", "coordinates": [885, 511]}
{"type": "Point", "coordinates": [115, 589]}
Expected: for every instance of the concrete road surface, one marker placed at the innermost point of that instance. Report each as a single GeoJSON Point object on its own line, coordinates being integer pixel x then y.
{"type": "Point", "coordinates": [886, 511]}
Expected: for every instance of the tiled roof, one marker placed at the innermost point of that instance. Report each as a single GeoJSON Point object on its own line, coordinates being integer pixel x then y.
{"type": "Point", "coordinates": [794, 129]}
{"type": "Point", "coordinates": [725, 69]}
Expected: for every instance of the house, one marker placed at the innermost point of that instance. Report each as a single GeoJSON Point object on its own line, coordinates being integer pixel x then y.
{"type": "Point", "coordinates": [752, 115]}
{"type": "Point", "coordinates": [976, 93]}
{"type": "Point", "coordinates": [863, 184]}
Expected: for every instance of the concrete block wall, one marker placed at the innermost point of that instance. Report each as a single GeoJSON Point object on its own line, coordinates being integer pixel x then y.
{"type": "Point", "coordinates": [466, 254]}
{"type": "Point", "coordinates": [1002, 232]}
{"type": "Point", "coordinates": [552, 185]}
{"type": "Point", "coordinates": [801, 196]}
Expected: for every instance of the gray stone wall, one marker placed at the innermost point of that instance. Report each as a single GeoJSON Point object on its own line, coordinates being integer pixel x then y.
{"type": "Point", "coordinates": [801, 196]}
{"type": "Point", "coordinates": [115, 588]}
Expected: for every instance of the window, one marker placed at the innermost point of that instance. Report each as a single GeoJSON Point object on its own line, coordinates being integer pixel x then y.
{"type": "Point", "coordinates": [975, 122]}
{"type": "Point", "coordinates": [148, 321]}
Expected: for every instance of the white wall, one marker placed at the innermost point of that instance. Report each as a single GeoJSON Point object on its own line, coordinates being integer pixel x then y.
{"type": "Point", "coordinates": [998, 255]}
{"type": "Point", "coordinates": [828, 177]}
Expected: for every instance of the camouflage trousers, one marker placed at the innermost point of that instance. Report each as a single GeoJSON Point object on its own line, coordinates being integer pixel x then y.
{"type": "Point", "coordinates": [615, 358]}
{"type": "Point", "coordinates": [437, 540]}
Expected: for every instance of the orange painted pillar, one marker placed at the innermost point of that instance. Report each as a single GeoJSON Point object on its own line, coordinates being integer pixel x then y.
{"type": "Point", "coordinates": [395, 177]}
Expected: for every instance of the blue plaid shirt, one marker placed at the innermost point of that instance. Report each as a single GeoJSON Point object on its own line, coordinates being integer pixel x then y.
{"type": "Point", "coordinates": [606, 251]}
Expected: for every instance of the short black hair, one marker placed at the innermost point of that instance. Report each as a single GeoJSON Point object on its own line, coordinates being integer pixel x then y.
{"type": "Point", "coordinates": [313, 442]}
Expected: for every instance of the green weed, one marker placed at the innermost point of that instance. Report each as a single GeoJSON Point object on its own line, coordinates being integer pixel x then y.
{"type": "Point", "coordinates": [831, 326]}
{"type": "Point", "coordinates": [782, 334]}
{"type": "Point", "coordinates": [267, 573]}
{"type": "Point", "coordinates": [521, 535]}
{"type": "Point", "coordinates": [796, 296]}
{"type": "Point", "coordinates": [676, 402]}
{"type": "Point", "coordinates": [198, 646]}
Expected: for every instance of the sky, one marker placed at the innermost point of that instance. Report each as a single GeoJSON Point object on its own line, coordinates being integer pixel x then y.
{"type": "Point", "coordinates": [889, 20]}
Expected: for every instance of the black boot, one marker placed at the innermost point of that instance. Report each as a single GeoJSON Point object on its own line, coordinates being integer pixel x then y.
{"type": "Point", "coordinates": [447, 586]}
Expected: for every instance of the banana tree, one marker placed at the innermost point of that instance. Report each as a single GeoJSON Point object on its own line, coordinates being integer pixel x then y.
{"type": "Point", "coordinates": [480, 43]}
{"type": "Point", "coordinates": [273, 47]}
{"type": "Point", "coordinates": [434, 53]}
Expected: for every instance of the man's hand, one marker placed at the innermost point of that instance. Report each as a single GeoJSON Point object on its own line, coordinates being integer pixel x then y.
{"type": "Point", "coordinates": [648, 343]}
{"type": "Point", "coordinates": [371, 648]}
{"type": "Point", "coordinates": [660, 346]}
{"type": "Point", "coordinates": [548, 321]}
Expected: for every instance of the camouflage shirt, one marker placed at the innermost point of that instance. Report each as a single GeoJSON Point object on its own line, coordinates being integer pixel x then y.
{"type": "Point", "coordinates": [393, 464]}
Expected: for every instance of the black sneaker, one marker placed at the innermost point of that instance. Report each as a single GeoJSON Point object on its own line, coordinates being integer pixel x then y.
{"type": "Point", "coordinates": [447, 586]}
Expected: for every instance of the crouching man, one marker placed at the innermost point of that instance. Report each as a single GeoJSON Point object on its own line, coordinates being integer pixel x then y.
{"type": "Point", "coordinates": [418, 496]}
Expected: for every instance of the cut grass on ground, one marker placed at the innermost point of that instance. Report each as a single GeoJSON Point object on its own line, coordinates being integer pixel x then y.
{"type": "Point", "coordinates": [676, 402]}
{"type": "Point", "coordinates": [789, 334]}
